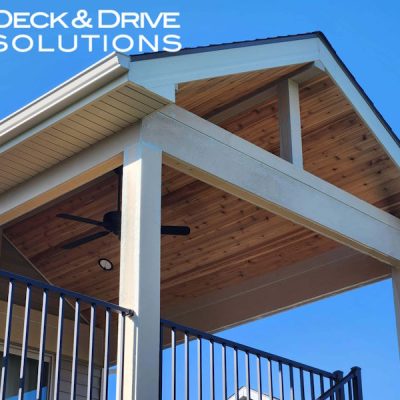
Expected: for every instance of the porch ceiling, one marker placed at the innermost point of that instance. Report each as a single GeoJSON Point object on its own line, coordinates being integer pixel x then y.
{"type": "Point", "coordinates": [231, 241]}
{"type": "Point", "coordinates": [120, 106]}
{"type": "Point", "coordinates": [337, 145]}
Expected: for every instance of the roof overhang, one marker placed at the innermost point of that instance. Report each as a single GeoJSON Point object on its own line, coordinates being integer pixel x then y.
{"type": "Point", "coordinates": [81, 111]}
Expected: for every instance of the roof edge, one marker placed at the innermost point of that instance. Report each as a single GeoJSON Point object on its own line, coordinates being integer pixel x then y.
{"type": "Point", "coordinates": [248, 43]}
{"type": "Point", "coordinates": [95, 76]}
{"type": "Point", "coordinates": [225, 46]}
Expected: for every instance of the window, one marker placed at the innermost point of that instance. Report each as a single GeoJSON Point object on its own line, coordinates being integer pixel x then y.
{"type": "Point", "coordinates": [31, 370]}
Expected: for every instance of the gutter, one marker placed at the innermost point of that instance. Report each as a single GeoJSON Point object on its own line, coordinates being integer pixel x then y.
{"type": "Point", "coordinates": [81, 85]}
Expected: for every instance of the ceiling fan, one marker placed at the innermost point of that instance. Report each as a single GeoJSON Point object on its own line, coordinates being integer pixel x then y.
{"type": "Point", "coordinates": [111, 223]}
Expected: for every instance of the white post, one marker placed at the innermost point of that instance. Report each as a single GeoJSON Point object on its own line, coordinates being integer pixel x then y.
{"type": "Point", "coordinates": [140, 269]}
{"type": "Point", "coordinates": [396, 297]}
{"type": "Point", "coordinates": [289, 122]}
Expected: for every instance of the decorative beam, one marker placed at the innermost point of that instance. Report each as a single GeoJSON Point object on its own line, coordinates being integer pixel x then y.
{"type": "Point", "coordinates": [216, 156]}
{"type": "Point", "coordinates": [66, 176]}
{"type": "Point", "coordinates": [161, 72]}
{"type": "Point", "coordinates": [285, 288]}
{"type": "Point", "coordinates": [140, 269]}
{"type": "Point", "coordinates": [291, 148]}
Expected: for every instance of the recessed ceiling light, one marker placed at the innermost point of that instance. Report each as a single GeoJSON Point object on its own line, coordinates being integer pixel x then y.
{"type": "Point", "coordinates": [107, 265]}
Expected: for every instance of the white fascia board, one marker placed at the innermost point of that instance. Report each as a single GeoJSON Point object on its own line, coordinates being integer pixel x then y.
{"type": "Point", "coordinates": [67, 94]}
{"type": "Point", "coordinates": [161, 72]}
{"type": "Point", "coordinates": [365, 110]}
{"type": "Point", "coordinates": [161, 75]}
{"type": "Point", "coordinates": [230, 163]}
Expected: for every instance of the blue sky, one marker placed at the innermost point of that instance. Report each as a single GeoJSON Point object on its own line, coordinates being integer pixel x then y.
{"type": "Point", "coordinates": [353, 328]}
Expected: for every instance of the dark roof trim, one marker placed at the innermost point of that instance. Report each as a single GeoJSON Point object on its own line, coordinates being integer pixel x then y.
{"type": "Point", "coordinates": [277, 39]}
{"type": "Point", "coordinates": [224, 46]}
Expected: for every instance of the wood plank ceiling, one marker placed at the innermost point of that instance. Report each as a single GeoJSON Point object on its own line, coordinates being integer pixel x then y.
{"type": "Point", "coordinates": [231, 240]}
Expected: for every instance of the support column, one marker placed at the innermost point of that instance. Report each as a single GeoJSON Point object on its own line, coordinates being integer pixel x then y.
{"type": "Point", "coordinates": [289, 122]}
{"type": "Point", "coordinates": [140, 269]}
{"type": "Point", "coordinates": [396, 297]}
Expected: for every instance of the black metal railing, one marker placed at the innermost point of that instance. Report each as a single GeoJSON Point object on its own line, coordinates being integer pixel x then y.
{"type": "Point", "coordinates": [83, 312]}
{"type": "Point", "coordinates": [347, 388]}
{"type": "Point", "coordinates": [198, 365]}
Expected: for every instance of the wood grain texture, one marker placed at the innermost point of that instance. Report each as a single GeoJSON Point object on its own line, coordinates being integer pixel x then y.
{"type": "Point", "coordinates": [231, 241]}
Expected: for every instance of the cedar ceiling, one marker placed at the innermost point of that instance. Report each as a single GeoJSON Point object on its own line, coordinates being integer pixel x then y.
{"type": "Point", "coordinates": [231, 240]}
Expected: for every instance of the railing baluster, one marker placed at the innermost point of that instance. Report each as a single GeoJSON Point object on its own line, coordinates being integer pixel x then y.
{"type": "Point", "coordinates": [7, 334]}
{"type": "Point", "coordinates": [350, 390]}
{"type": "Point", "coordinates": [357, 385]}
{"type": "Point", "coordinates": [25, 338]}
{"type": "Point", "coordinates": [291, 382]}
{"type": "Point", "coordinates": [224, 378]}
{"type": "Point", "coordinates": [43, 327]}
{"type": "Point", "coordinates": [321, 384]}
{"type": "Point", "coordinates": [338, 377]}
{"type": "Point", "coordinates": [212, 372]}
{"type": "Point", "coordinates": [173, 364]}
{"type": "Point", "coordinates": [75, 352]}
{"type": "Point", "coordinates": [60, 326]}
{"type": "Point", "coordinates": [332, 383]}
{"type": "Point", "coordinates": [106, 364]}
{"type": "Point", "coordinates": [259, 380]}
{"type": "Point", "coordinates": [312, 387]}
{"type": "Point", "coordinates": [200, 368]}
{"type": "Point", "coordinates": [236, 373]}
{"type": "Point", "coordinates": [281, 389]}
{"type": "Point", "coordinates": [92, 335]}
{"type": "Point", "coordinates": [62, 294]}
{"type": "Point", "coordinates": [270, 381]}
{"type": "Point", "coordinates": [120, 355]}
{"type": "Point", "coordinates": [302, 392]}
{"type": "Point", "coordinates": [248, 387]}
{"type": "Point", "coordinates": [287, 381]}
{"type": "Point", "coordinates": [187, 363]}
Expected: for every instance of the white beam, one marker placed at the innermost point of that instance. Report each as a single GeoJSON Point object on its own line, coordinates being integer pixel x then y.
{"type": "Point", "coordinates": [161, 72]}
{"type": "Point", "coordinates": [300, 283]}
{"type": "Point", "coordinates": [396, 297]}
{"type": "Point", "coordinates": [289, 122]}
{"type": "Point", "coordinates": [79, 169]}
{"type": "Point", "coordinates": [140, 269]}
{"type": "Point", "coordinates": [70, 96]}
{"type": "Point", "coordinates": [230, 163]}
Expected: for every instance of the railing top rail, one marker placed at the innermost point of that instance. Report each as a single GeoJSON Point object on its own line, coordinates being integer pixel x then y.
{"type": "Point", "coordinates": [340, 385]}
{"type": "Point", "coordinates": [65, 292]}
{"type": "Point", "coordinates": [246, 349]}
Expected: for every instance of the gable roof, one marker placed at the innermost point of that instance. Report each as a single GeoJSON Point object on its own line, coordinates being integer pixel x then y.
{"type": "Point", "coordinates": [276, 39]}
{"type": "Point", "coordinates": [151, 79]}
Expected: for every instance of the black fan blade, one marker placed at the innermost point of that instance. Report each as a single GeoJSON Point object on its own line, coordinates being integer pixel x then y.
{"type": "Point", "coordinates": [80, 219]}
{"type": "Point", "coordinates": [175, 230]}
{"type": "Point", "coordinates": [85, 239]}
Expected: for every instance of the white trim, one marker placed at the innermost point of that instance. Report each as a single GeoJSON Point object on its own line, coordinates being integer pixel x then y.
{"type": "Point", "coordinates": [230, 163]}
{"type": "Point", "coordinates": [291, 148]}
{"type": "Point", "coordinates": [287, 287]}
{"type": "Point", "coordinates": [359, 103]}
{"type": "Point", "coordinates": [66, 176]}
{"type": "Point", "coordinates": [156, 72]}
{"type": "Point", "coordinates": [92, 78]}
{"type": "Point", "coordinates": [140, 270]}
